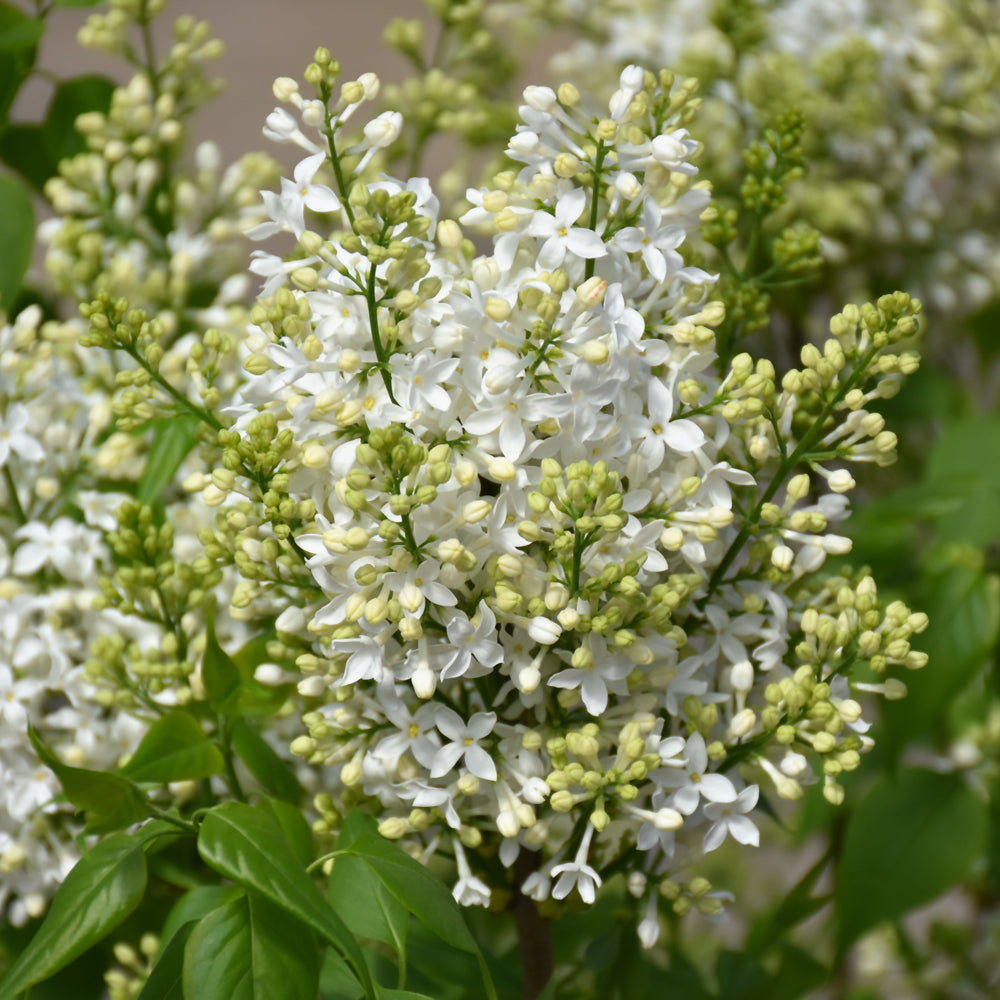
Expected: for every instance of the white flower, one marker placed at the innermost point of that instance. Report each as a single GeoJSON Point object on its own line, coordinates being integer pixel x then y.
{"type": "Point", "coordinates": [64, 544]}
{"type": "Point", "coordinates": [562, 235]}
{"type": "Point", "coordinates": [692, 782]}
{"type": "Point", "coordinates": [13, 437]}
{"type": "Point", "coordinates": [469, 890]}
{"type": "Point", "coordinates": [728, 817]}
{"type": "Point", "coordinates": [464, 743]}
{"type": "Point", "coordinates": [577, 874]}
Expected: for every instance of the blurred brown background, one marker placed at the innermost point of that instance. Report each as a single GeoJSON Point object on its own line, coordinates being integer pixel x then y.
{"type": "Point", "coordinates": [264, 39]}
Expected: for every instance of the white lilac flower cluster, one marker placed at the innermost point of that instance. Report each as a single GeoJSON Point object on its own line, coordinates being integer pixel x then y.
{"type": "Point", "coordinates": [53, 440]}
{"type": "Point", "coordinates": [84, 658]}
{"type": "Point", "coordinates": [900, 111]}
{"type": "Point", "coordinates": [567, 603]}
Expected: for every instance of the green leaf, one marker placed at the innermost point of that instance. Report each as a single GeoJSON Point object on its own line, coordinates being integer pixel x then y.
{"type": "Point", "coordinates": [72, 98]}
{"type": "Point", "coordinates": [23, 148]}
{"type": "Point", "coordinates": [230, 685]}
{"type": "Point", "coordinates": [219, 673]}
{"type": "Point", "coordinates": [265, 764]}
{"type": "Point", "coordinates": [78, 3]}
{"type": "Point", "coordinates": [174, 749]}
{"type": "Point", "coordinates": [798, 975]}
{"type": "Point", "coordinates": [195, 904]}
{"type": "Point", "coordinates": [15, 66]}
{"type": "Point", "coordinates": [907, 841]}
{"type": "Point", "coordinates": [111, 801]}
{"type": "Point", "coordinates": [365, 904]}
{"type": "Point", "coordinates": [165, 981]}
{"type": "Point", "coordinates": [738, 975]}
{"type": "Point", "coordinates": [357, 893]}
{"type": "Point", "coordinates": [23, 34]}
{"type": "Point", "coordinates": [421, 892]}
{"type": "Point", "coordinates": [964, 606]}
{"type": "Point", "coordinates": [294, 826]}
{"type": "Point", "coordinates": [97, 895]}
{"type": "Point", "coordinates": [17, 236]}
{"type": "Point", "coordinates": [173, 439]}
{"type": "Point", "coordinates": [250, 949]}
{"type": "Point", "coordinates": [336, 982]}
{"type": "Point", "coordinates": [961, 453]}
{"type": "Point", "coordinates": [246, 845]}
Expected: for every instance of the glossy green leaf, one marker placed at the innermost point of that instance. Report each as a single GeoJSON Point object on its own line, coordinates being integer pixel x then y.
{"type": "Point", "coordinates": [367, 907]}
{"type": "Point", "coordinates": [909, 840]}
{"type": "Point", "coordinates": [357, 893]}
{"type": "Point", "coordinates": [250, 949]}
{"type": "Point", "coordinates": [165, 981]}
{"type": "Point", "coordinates": [336, 981]}
{"type": "Point", "coordinates": [294, 826]}
{"type": "Point", "coordinates": [174, 749]}
{"type": "Point", "coordinates": [421, 892]}
{"type": "Point", "coordinates": [111, 801]}
{"type": "Point", "coordinates": [97, 895]}
{"type": "Point", "coordinates": [195, 904]}
{"type": "Point", "coordinates": [219, 673]}
{"type": "Point", "coordinates": [248, 846]}
{"type": "Point", "coordinates": [265, 764]}
{"type": "Point", "coordinates": [17, 236]}
{"type": "Point", "coordinates": [173, 439]}
{"type": "Point", "coordinates": [77, 3]}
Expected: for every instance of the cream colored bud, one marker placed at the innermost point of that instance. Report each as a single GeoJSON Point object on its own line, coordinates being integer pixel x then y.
{"type": "Point", "coordinates": [410, 629]}
{"type": "Point", "coordinates": [591, 292]}
{"type": "Point", "coordinates": [742, 723]}
{"type": "Point", "coordinates": [594, 352]}
{"type": "Point", "coordinates": [502, 470]}
{"type": "Point", "coordinates": [212, 496]}
{"type": "Point", "coordinates": [569, 618]}
{"type": "Point", "coordinates": [394, 827]}
{"type": "Point", "coordinates": [672, 538]}
{"type": "Point", "coordinates": [476, 510]}
{"type": "Point", "coordinates": [315, 457]}
{"type": "Point", "coordinates": [497, 309]}
{"type": "Point", "coordinates": [449, 234]}
{"type": "Point", "coordinates": [284, 88]}
{"type": "Point", "coordinates": [782, 557]}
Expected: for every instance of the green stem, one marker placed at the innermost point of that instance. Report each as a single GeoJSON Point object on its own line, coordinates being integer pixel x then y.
{"type": "Point", "coordinates": [595, 199]}
{"type": "Point", "coordinates": [181, 824]}
{"type": "Point", "coordinates": [203, 415]}
{"type": "Point", "coordinates": [786, 466]}
{"type": "Point", "coordinates": [380, 351]}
